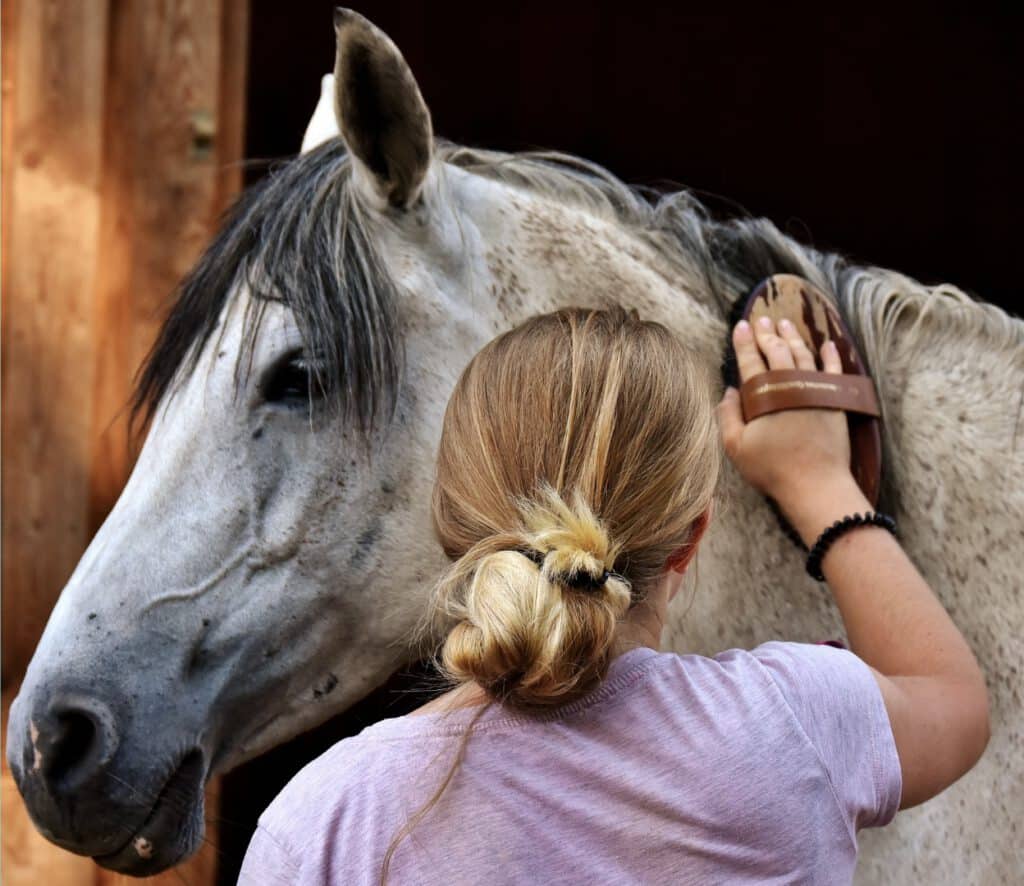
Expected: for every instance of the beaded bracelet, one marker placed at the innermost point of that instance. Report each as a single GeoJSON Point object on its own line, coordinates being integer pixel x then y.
{"type": "Point", "coordinates": [833, 532]}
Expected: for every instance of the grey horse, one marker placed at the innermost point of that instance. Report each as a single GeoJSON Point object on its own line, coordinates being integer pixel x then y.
{"type": "Point", "coordinates": [271, 553]}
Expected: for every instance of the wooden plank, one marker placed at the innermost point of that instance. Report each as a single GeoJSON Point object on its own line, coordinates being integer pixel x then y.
{"type": "Point", "coordinates": [176, 186]}
{"type": "Point", "coordinates": [8, 62]}
{"type": "Point", "coordinates": [110, 460]}
{"type": "Point", "coordinates": [55, 162]}
{"type": "Point", "coordinates": [234, 68]}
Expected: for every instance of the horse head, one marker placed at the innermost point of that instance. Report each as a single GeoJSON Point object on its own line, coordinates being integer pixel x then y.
{"type": "Point", "coordinates": [271, 551]}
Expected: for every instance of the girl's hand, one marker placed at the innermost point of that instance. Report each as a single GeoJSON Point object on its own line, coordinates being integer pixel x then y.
{"type": "Point", "coordinates": [787, 454]}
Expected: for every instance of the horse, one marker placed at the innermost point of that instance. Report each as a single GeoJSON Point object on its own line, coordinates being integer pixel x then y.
{"type": "Point", "coordinates": [271, 553]}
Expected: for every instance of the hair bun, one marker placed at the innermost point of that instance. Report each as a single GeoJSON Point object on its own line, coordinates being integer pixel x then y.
{"type": "Point", "coordinates": [523, 637]}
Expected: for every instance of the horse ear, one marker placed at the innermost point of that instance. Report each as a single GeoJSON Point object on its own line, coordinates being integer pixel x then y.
{"type": "Point", "coordinates": [380, 111]}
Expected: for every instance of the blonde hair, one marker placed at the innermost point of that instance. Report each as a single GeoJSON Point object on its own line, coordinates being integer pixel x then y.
{"type": "Point", "coordinates": [579, 454]}
{"type": "Point", "coordinates": [579, 443]}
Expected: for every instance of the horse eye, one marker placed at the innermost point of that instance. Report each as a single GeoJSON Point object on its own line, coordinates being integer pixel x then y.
{"type": "Point", "coordinates": [292, 382]}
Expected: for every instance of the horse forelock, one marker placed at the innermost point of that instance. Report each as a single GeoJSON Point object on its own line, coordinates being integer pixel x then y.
{"type": "Point", "coordinates": [300, 236]}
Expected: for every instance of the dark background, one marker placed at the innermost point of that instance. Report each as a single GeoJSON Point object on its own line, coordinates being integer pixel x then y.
{"type": "Point", "coordinates": [889, 134]}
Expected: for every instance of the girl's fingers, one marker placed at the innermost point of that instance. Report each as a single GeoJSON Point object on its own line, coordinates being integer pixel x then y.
{"type": "Point", "coordinates": [776, 350]}
{"type": "Point", "coordinates": [730, 421]}
{"type": "Point", "coordinates": [830, 358]}
{"type": "Point", "coordinates": [802, 356]}
{"type": "Point", "coordinates": [748, 359]}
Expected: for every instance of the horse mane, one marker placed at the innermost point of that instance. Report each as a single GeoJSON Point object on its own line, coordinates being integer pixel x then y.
{"type": "Point", "coordinates": [301, 236]}
{"type": "Point", "coordinates": [730, 256]}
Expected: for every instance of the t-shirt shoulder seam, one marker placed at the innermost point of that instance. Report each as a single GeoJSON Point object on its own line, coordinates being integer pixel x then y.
{"type": "Point", "coordinates": [766, 675]}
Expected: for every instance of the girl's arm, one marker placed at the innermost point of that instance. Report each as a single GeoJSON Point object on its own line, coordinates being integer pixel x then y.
{"type": "Point", "coordinates": [933, 689]}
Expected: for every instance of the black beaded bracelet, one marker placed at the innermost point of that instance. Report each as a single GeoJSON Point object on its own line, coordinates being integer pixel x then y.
{"type": "Point", "coordinates": [833, 532]}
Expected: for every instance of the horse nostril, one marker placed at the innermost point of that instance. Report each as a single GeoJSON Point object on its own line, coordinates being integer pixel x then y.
{"type": "Point", "coordinates": [74, 742]}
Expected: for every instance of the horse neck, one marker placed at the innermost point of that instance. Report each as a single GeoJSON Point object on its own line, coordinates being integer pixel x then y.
{"type": "Point", "coordinates": [927, 347]}
{"type": "Point", "coordinates": [543, 256]}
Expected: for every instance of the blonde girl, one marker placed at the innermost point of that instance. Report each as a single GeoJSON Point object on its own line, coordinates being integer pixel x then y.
{"type": "Point", "coordinates": [576, 475]}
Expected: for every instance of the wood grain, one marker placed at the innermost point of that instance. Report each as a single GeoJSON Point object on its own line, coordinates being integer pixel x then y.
{"type": "Point", "coordinates": [122, 145]}
{"type": "Point", "coordinates": [53, 183]}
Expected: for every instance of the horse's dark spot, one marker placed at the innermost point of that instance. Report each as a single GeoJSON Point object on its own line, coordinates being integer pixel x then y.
{"type": "Point", "coordinates": [92, 615]}
{"type": "Point", "coordinates": [364, 544]}
{"type": "Point", "coordinates": [981, 559]}
{"type": "Point", "coordinates": [325, 688]}
{"type": "Point", "coordinates": [387, 487]}
{"type": "Point", "coordinates": [962, 417]}
{"type": "Point", "coordinates": [221, 354]}
{"type": "Point", "coordinates": [195, 660]}
{"type": "Point", "coordinates": [206, 622]}
{"type": "Point", "coordinates": [270, 653]}
{"type": "Point", "coordinates": [257, 433]}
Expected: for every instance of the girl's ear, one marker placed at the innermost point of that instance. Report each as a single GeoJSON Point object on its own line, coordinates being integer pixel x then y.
{"type": "Point", "coordinates": [680, 559]}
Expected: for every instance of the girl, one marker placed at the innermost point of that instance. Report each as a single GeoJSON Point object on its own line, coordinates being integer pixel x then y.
{"type": "Point", "coordinates": [576, 474]}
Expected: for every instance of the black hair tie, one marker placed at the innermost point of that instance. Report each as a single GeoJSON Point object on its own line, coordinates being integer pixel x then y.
{"type": "Point", "coordinates": [821, 546]}
{"type": "Point", "coordinates": [534, 555]}
{"type": "Point", "coordinates": [580, 581]}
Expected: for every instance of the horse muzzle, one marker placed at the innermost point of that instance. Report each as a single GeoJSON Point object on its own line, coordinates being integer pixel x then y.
{"type": "Point", "coordinates": [71, 760]}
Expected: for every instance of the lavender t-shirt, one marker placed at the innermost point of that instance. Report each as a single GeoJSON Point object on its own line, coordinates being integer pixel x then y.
{"type": "Point", "coordinates": [750, 767]}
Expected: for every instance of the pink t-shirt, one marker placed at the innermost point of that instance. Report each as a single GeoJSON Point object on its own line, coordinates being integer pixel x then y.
{"type": "Point", "coordinates": [750, 767]}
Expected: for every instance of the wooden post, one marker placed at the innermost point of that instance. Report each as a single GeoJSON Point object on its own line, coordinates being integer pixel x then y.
{"type": "Point", "coordinates": [123, 130]}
